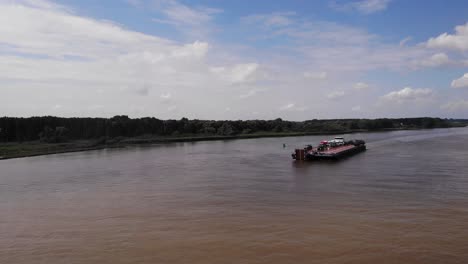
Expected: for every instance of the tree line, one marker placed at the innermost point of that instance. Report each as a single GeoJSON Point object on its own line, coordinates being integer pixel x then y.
{"type": "Point", "coordinates": [59, 129]}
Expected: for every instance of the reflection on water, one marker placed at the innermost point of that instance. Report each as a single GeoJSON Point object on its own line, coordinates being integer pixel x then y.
{"type": "Point", "coordinates": [405, 200]}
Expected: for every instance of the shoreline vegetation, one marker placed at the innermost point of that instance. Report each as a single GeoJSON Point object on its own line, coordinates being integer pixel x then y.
{"type": "Point", "coordinates": [34, 136]}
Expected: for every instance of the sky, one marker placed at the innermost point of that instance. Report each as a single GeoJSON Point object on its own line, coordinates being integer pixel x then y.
{"type": "Point", "coordinates": [214, 59]}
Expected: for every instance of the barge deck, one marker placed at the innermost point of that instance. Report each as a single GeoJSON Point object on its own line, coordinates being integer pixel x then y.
{"type": "Point", "coordinates": [334, 149]}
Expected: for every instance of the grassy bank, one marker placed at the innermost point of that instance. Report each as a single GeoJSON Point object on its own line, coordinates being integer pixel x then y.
{"type": "Point", "coordinates": [36, 148]}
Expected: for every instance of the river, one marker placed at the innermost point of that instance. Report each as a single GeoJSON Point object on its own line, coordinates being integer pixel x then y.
{"type": "Point", "coordinates": [405, 200]}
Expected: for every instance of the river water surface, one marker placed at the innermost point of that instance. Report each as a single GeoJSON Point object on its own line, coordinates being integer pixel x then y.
{"type": "Point", "coordinates": [405, 200]}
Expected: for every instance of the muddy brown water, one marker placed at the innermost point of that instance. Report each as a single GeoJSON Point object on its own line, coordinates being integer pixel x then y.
{"type": "Point", "coordinates": [405, 200]}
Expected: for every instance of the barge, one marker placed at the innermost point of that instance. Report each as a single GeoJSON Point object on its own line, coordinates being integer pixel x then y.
{"type": "Point", "coordinates": [333, 149]}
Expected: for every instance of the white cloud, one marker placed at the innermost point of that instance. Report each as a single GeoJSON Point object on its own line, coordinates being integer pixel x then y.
{"type": "Point", "coordinates": [248, 94]}
{"type": "Point", "coordinates": [57, 33]}
{"type": "Point", "coordinates": [408, 94]}
{"type": "Point", "coordinates": [184, 15]}
{"type": "Point", "coordinates": [363, 6]}
{"type": "Point", "coordinates": [461, 82]}
{"type": "Point", "coordinates": [252, 92]}
{"type": "Point", "coordinates": [242, 72]}
{"type": "Point", "coordinates": [457, 41]}
{"type": "Point", "coordinates": [57, 106]}
{"type": "Point", "coordinates": [404, 41]}
{"type": "Point", "coordinates": [329, 33]}
{"type": "Point", "coordinates": [293, 107]}
{"type": "Point", "coordinates": [197, 50]}
{"type": "Point", "coordinates": [195, 22]}
{"type": "Point", "coordinates": [135, 3]}
{"type": "Point", "coordinates": [455, 106]}
{"type": "Point", "coordinates": [335, 95]}
{"type": "Point", "coordinates": [41, 4]}
{"type": "Point", "coordinates": [287, 106]}
{"type": "Point", "coordinates": [165, 97]}
{"type": "Point", "coordinates": [301, 108]}
{"type": "Point", "coordinates": [172, 108]}
{"type": "Point", "coordinates": [435, 60]}
{"type": "Point", "coordinates": [360, 86]}
{"type": "Point", "coordinates": [237, 74]}
{"type": "Point", "coordinates": [371, 6]}
{"type": "Point", "coordinates": [356, 108]}
{"type": "Point", "coordinates": [336, 48]}
{"type": "Point", "coordinates": [316, 75]}
{"type": "Point", "coordinates": [278, 19]}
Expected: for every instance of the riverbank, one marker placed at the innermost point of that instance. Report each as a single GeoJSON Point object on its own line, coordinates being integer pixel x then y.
{"type": "Point", "coordinates": [37, 148]}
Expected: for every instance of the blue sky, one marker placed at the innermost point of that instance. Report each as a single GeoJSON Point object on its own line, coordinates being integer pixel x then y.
{"type": "Point", "coordinates": [215, 59]}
